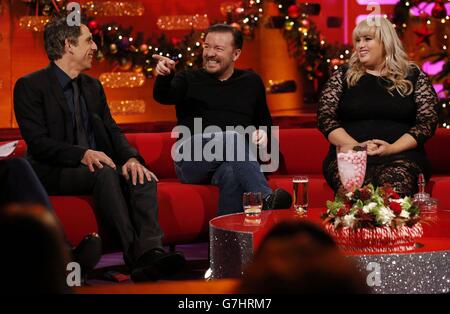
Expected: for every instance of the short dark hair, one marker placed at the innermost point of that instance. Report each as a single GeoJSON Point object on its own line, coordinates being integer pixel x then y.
{"type": "Point", "coordinates": [238, 40]}
{"type": "Point", "coordinates": [56, 32]}
{"type": "Point", "coordinates": [300, 257]}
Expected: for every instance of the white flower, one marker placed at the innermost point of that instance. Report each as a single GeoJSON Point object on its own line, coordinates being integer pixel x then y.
{"type": "Point", "coordinates": [401, 201]}
{"type": "Point", "coordinates": [349, 195]}
{"type": "Point", "coordinates": [349, 220]}
{"type": "Point", "coordinates": [367, 208]}
{"type": "Point", "coordinates": [385, 216]}
{"type": "Point", "coordinates": [337, 222]}
{"type": "Point", "coordinates": [404, 214]}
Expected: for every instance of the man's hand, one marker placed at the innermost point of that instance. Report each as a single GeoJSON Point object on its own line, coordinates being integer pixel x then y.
{"type": "Point", "coordinates": [384, 148]}
{"type": "Point", "coordinates": [137, 171]}
{"type": "Point", "coordinates": [164, 65]}
{"type": "Point", "coordinates": [259, 137]}
{"type": "Point", "coordinates": [93, 158]}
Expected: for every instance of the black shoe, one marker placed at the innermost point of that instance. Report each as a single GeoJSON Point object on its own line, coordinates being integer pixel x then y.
{"type": "Point", "coordinates": [156, 264]}
{"type": "Point", "coordinates": [87, 253]}
{"type": "Point", "coordinates": [278, 199]}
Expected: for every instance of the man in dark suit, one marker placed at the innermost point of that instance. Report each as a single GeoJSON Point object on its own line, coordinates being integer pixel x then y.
{"type": "Point", "coordinates": [75, 147]}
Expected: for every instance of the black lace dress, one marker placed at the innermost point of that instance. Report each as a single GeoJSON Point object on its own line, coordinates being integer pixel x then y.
{"type": "Point", "coordinates": [367, 111]}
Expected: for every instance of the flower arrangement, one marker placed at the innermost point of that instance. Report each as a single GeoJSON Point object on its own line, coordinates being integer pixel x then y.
{"type": "Point", "coordinates": [370, 207]}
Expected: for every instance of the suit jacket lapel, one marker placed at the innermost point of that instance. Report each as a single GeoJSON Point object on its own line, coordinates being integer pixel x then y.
{"type": "Point", "coordinates": [62, 102]}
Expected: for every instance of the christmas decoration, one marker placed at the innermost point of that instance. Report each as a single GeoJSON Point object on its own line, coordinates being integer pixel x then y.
{"type": "Point", "coordinates": [433, 23]}
{"type": "Point", "coordinates": [113, 8]}
{"type": "Point", "coordinates": [33, 23]}
{"type": "Point", "coordinates": [423, 35]}
{"type": "Point", "coordinates": [127, 107]}
{"type": "Point", "coordinates": [122, 79]}
{"type": "Point", "coordinates": [183, 22]}
{"type": "Point", "coordinates": [315, 56]}
{"type": "Point", "coordinates": [40, 12]}
{"type": "Point", "coordinates": [439, 11]}
{"type": "Point", "coordinates": [373, 219]}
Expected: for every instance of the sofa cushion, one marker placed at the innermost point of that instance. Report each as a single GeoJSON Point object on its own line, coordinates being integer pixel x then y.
{"type": "Point", "coordinates": [302, 151]}
{"type": "Point", "coordinates": [156, 149]}
{"type": "Point", "coordinates": [438, 151]}
{"type": "Point", "coordinates": [77, 216]}
{"type": "Point", "coordinates": [185, 210]}
{"type": "Point", "coordinates": [440, 189]}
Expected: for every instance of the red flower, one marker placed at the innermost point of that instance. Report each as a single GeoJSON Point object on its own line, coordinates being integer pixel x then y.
{"type": "Point", "coordinates": [396, 208]}
{"type": "Point", "coordinates": [348, 205]}
{"type": "Point", "coordinates": [364, 194]}
{"type": "Point", "coordinates": [342, 211]}
{"type": "Point", "coordinates": [390, 193]}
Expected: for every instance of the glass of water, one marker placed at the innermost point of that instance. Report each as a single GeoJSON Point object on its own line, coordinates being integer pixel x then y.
{"type": "Point", "coordinates": [252, 202]}
{"type": "Point", "coordinates": [300, 186]}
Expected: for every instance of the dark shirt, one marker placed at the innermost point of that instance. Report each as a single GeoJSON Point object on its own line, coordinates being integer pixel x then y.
{"type": "Point", "coordinates": [237, 101]}
{"type": "Point", "coordinates": [65, 82]}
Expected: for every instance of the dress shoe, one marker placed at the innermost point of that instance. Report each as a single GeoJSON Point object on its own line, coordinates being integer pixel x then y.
{"type": "Point", "coordinates": [87, 253]}
{"type": "Point", "coordinates": [278, 199]}
{"type": "Point", "coordinates": [157, 264]}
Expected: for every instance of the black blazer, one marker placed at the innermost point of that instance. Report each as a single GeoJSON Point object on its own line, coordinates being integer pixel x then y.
{"type": "Point", "coordinates": [46, 125]}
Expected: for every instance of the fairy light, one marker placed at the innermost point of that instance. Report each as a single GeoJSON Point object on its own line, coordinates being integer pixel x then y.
{"type": "Point", "coordinates": [122, 79]}
{"type": "Point", "coordinates": [114, 8]}
{"type": "Point", "coordinates": [34, 23]}
{"type": "Point", "coordinates": [126, 107]}
{"type": "Point", "coordinates": [428, 22]}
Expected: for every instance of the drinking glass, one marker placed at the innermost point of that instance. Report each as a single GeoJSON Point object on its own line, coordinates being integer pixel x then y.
{"type": "Point", "coordinates": [352, 162]}
{"type": "Point", "coordinates": [252, 202]}
{"type": "Point", "coordinates": [300, 186]}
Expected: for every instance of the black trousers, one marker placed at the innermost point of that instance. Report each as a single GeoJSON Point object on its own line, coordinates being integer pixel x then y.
{"type": "Point", "coordinates": [131, 212]}
{"type": "Point", "coordinates": [19, 183]}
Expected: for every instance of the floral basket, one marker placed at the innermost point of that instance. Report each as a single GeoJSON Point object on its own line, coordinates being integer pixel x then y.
{"type": "Point", "coordinates": [373, 220]}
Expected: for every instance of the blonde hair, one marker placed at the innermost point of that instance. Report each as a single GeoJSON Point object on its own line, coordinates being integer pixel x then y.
{"type": "Point", "coordinates": [396, 64]}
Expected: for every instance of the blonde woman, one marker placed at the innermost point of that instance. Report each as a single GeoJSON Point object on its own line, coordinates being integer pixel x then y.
{"type": "Point", "coordinates": [383, 100]}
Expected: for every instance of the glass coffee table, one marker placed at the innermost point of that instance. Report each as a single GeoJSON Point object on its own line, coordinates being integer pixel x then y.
{"type": "Point", "coordinates": [234, 238]}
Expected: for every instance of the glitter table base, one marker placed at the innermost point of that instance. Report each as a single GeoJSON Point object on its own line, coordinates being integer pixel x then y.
{"type": "Point", "coordinates": [231, 250]}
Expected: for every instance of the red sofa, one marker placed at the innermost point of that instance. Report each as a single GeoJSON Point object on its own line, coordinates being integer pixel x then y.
{"type": "Point", "coordinates": [185, 209]}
